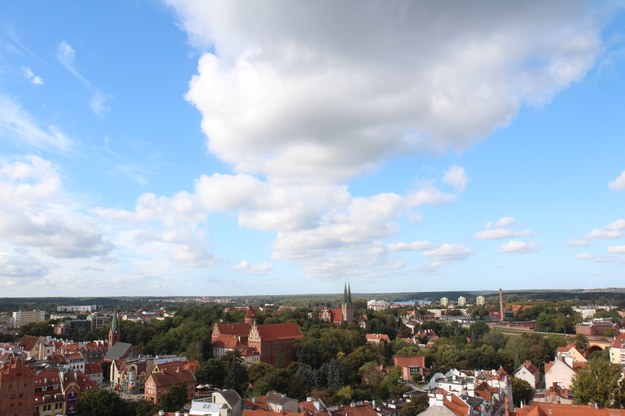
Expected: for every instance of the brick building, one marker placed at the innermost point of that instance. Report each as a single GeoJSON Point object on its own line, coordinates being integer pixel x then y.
{"type": "Point", "coordinates": [17, 387]}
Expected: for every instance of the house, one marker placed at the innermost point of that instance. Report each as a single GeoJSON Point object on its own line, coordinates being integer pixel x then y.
{"type": "Point", "coordinates": [356, 409]}
{"type": "Point", "coordinates": [221, 403]}
{"type": "Point", "coordinates": [73, 384]}
{"type": "Point", "coordinates": [596, 327]}
{"type": "Point", "coordinates": [377, 339]}
{"type": "Point", "coordinates": [529, 373]}
{"type": "Point", "coordinates": [617, 350]}
{"type": "Point", "coordinates": [49, 399]}
{"type": "Point", "coordinates": [160, 382]}
{"type": "Point", "coordinates": [410, 366]}
{"type": "Point", "coordinates": [36, 347]}
{"type": "Point", "coordinates": [569, 350]}
{"type": "Point", "coordinates": [553, 409]}
{"type": "Point", "coordinates": [13, 373]}
{"type": "Point", "coordinates": [274, 402]}
{"type": "Point", "coordinates": [560, 372]}
{"type": "Point", "coordinates": [93, 371]}
{"type": "Point", "coordinates": [447, 404]}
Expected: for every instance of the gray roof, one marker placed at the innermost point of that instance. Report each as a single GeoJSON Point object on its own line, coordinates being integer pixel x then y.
{"type": "Point", "coordinates": [118, 350]}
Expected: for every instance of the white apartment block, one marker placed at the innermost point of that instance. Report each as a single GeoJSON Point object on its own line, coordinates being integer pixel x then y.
{"type": "Point", "coordinates": [378, 305]}
{"type": "Point", "coordinates": [26, 317]}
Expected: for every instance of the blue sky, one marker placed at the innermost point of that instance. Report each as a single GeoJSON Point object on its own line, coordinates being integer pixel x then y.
{"type": "Point", "coordinates": [224, 148]}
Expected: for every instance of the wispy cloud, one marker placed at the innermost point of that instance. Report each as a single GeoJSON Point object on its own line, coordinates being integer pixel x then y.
{"type": "Point", "coordinates": [501, 229]}
{"type": "Point", "coordinates": [66, 55]}
{"type": "Point", "coordinates": [456, 177]}
{"type": "Point", "coordinates": [30, 75]}
{"type": "Point", "coordinates": [18, 125]}
{"type": "Point", "coordinates": [247, 267]}
{"type": "Point", "coordinates": [518, 247]}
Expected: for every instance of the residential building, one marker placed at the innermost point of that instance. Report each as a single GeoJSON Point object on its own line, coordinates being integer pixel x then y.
{"type": "Point", "coordinates": [377, 339]}
{"type": "Point", "coordinates": [529, 373]}
{"type": "Point", "coordinates": [560, 372]}
{"type": "Point", "coordinates": [49, 399]}
{"type": "Point", "coordinates": [98, 320]}
{"type": "Point", "coordinates": [410, 366]}
{"type": "Point", "coordinates": [557, 409]}
{"type": "Point", "coordinates": [67, 328]}
{"type": "Point", "coordinates": [26, 317]}
{"type": "Point", "coordinates": [377, 305]}
{"type": "Point", "coordinates": [480, 300]}
{"type": "Point", "coordinates": [77, 308]}
{"type": "Point", "coordinates": [17, 386]}
{"type": "Point", "coordinates": [462, 301]}
{"type": "Point", "coordinates": [160, 382]}
{"type": "Point", "coordinates": [73, 385]}
{"type": "Point", "coordinates": [221, 403]}
{"type": "Point", "coordinates": [617, 350]}
{"type": "Point", "coordinates": [596, 327]}
{"type": "Point", "coordinates": [444, 302]}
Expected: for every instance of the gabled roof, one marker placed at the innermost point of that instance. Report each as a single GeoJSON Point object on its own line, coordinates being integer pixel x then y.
{"type": "Point", "coordinates": [28, 342]}
{"type": "Point", "coordinates": [377, 337]}
{"type": "Point", "coordinates": [170, 378]}
{"type": "Point", "coordinates": [365, 410]}
{"type": "Point", "coordinates": [226, 341]}
{"type": "Point", "coordinates": [273, 332]}
{"type": "Point", "coordinates": [240, 330]}
{"type": "Point", "coordinates": [416, 361]}
{"type": "Point", "coordinates": [118, 350]}
{"type": "Point", "coordinates": [93, 368]}
{"type": "Point", "coordinates": [529, 366]}
{"type": "Point", "coordinates": [553, 409]}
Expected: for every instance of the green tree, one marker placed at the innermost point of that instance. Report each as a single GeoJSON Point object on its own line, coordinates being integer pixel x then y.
{"type": "Point", "coordinates": [522, 391]}
{"type": "Point", "coordinates": [597, 384]}
{"type": "Point", "coordinates": [211, 372]}
{"type": "Point", "coordinates": [417, 404]}
{"type": "Point", "coordinates": [174, 399]}
{"type": "Point", "coordinates": [236, 377]}
{"type": "Point", "coordinates": [39, 329]}
{"type": "Point", "coordinates": [102, 403]}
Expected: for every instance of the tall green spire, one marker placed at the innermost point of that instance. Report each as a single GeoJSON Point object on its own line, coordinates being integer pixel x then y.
{"type": "Point", "coordinates": [349, 293]}
{"type": "Point", "coordinates": [345, 294]}
{"type": "Point", "coordinates": [114, 321]}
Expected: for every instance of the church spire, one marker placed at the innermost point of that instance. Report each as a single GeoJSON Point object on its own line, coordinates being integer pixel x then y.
{"type": "Point", "coordinates": [349, 293]}
{"type": "Point", "coordinates": [114, 335]}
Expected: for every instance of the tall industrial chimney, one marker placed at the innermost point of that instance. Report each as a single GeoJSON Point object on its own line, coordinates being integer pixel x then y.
{"type": "Point", "coordinates": [501, 303]}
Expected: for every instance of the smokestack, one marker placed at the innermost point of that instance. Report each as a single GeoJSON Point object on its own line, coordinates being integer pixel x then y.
{"type": "Point", "coordinates": [501, 303]}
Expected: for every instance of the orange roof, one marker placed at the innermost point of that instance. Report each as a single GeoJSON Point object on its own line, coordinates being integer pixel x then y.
{"type": "Point", "coordinates": [93, 368]}
{"type": "Point", "coordinates": [287, 330]}
{"type": "Point", "coordinates": [552, 409]}
{"type": "Point", "coordinates": [28, 342]}
{"type": "Point", "coordinates": [566, 348]}
{"type": "Point", "coordinates": [226, 341]}
{"type": "Point", "coordinates": [456, 405]}
{"type": "Point", "coordinates": [170, 378]}
{"type": "Point", "coordinates": [416, 361]}
{"type": "Point", "coordinates": [260, 412]}
{"type": "Point", "coordinates": [365, 410]}
{"type": "Point", "coordinates": [530, 367]}
{"type": "Point", "coordinates": [240, 330]}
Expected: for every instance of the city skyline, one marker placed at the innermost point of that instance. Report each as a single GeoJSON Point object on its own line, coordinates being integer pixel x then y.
{"type": "Point", "coordinates": [207, 148]}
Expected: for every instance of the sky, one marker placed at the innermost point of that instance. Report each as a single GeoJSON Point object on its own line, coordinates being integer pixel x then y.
{"type": "Point", "coordinates": [231, 148]}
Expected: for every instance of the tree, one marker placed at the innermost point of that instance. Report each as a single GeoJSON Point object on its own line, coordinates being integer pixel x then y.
{"type": "Point", "coordinates": [174, 399]}
{"type": "Point", "coordinates": [102, 403]}
{"type": "Point", "coordinates": [522, 391]}
{"type": "Point", "coordinates": [581, 343]}
{"type": "Point", "coordinates": [211, 372]}
{"type": "Point", "coordinates": [417, 404]}
{"type": "Point", "coordinates": [597, 383]}
{"type": "Point", "coordinates": [236, 377]}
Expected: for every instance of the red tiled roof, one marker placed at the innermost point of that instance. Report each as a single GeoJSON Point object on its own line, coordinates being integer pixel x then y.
{"type": "Point", "coordinates": [170, 378]}
{"type": "Point", "coordinates": [241, 330]}
{"type": "Point", "coordinates": [416, 361]}
{"type": "Point", "coordinates": [287, 330]}
{"type": "Point", "coordinates": [531, 367]}
{"type": "Point", "coordinates": [226, 341]}
{"type": "Point", "coordinates": [93, 368]}
{"type": "Point", "coordinates": [553, 409]}
{"type": "Point", "coordinates": [28, 342]}
{"type": "Point", "coordinates": [456, 405]}
{"type": "Point", "coordinates": [365, 410]}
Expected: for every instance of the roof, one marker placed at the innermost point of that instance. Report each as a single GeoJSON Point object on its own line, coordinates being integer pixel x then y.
{"type": "Point", "coordinates": [364, 410]}
{"type": "Point", "coordinates": [170, 378]}
{"type": "Point", "coordinates": [93, 368]}
{"type": "Point", "coordinates": [230, 396]}
{"type": "Point", "coordinates": [28, 342]}
{"type": "Point", "coordinates": [226, 341]}
{"type": "Point", "coordinates": [240, 330]}
{"type": "Point", "coordinates": [377, 337]}
{"type": "Point", "coordinates": [403, 361]}
{"type": "Point", "coordinates": [287, 330]}
{"type": "Point", "coordinates": [118, 350]}
{"type": "Point", "coordinates": [552, 409]}
{"type": "Point", "coordinates": [529, 366]}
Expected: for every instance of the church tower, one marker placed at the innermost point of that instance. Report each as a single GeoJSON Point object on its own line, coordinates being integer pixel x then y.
{"type": "Point", "coordinates": [347, 309]}
{"type": "Point", "coordinates": [114, 334]}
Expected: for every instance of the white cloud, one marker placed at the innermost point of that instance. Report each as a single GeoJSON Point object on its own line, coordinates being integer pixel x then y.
{"type": "Point", "coordinates": [515, 246]}
{"type": "Point", "coordinates": [256, 269]}
{"type": "Point", "coordinates": [616, 249]}
{"type": "Point", "coordinates": [412, 246]}
{"type": "Point", "coordinates": [18, 125]}
{"type": "Point", "coordinates": [281, 98]}
{"type": "Point", "coordinates": [456, 177]}
{"type": "Point", "coordinates": [499, 230]}
{"type": "Point", "coordinates": [34, 212]}
{"type": "Point", "coordinates": [448, 252]}
{"type": "Point", "coordinates": [603, 234]}
{"type": "Point", "coordinates": [579, 242]}
{"type": "Point", "coordinates": [66, 55]}
{"type": "Point", "coordinates": [618, 184]}
{"type": "Point", "coordinates": [30, 75]}
{"type": "Point", "coordinates": [20, 266]}
{"type": "Point", "coordinates": [617, 225]}
{"type": "Point", "coordinates": [612, 231]}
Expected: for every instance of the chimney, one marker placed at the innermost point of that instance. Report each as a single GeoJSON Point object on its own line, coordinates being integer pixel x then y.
{"type": "Point", "coordinates": [501, 303]}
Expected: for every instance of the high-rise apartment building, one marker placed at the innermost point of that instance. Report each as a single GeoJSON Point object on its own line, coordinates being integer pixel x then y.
{"type": "Point", "coordinates": [480, 300]}
{"type": "Point", "coordinates": [26, 317]}
{"type": "Point", "coordinates": [462, 301]}
{"type": "Point", "coordinates": [444, 302]}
